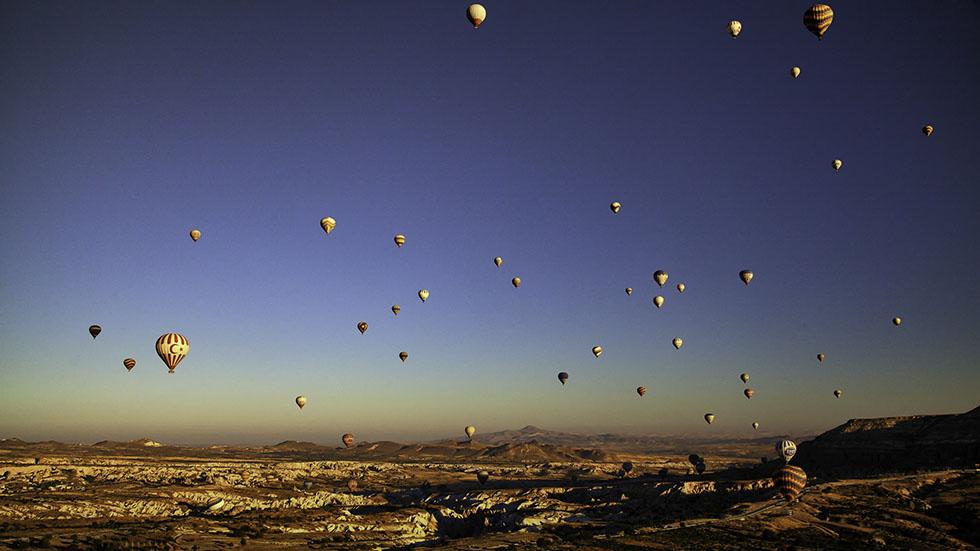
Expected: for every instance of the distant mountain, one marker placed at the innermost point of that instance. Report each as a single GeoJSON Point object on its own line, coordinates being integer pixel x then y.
{"type": "Point", "coordinates": [894, 444]}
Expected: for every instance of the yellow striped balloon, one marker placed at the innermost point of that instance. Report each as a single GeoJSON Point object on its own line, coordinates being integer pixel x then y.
{"type": "Point", "coordinates": [328, 224]}
{"type": "Point", "coordinates": [396, 308]}
{"type": "Point", "coordinates": [789, 481]}
{"type": "Point", "coordinates": [399, 240]}
{"type": "Point", "coordinates": [818, 18]}
{"type": "Point", "coordinates": [129, 364]}
{"type": "Point", "coordinates": [641, 390]}
{"type": "Point", "coordinates": [172, 348]}
{"type": "Point", "coordinates": [734, 27]}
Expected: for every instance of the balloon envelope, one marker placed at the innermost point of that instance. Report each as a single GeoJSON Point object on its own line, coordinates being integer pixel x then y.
{"type": "Point", "coordinates": [301, 401]}
{"type": "Point", "coordinates": [94, 330]}
{"type": "Point", "coordinates": [362, 326]}
{"type": "Point", "coordinates": [482, 477]}
{"type": "Point", "coordinates": [563, 377]}
{"type": "Point", "coordinates": [734, 27]}
{"type": "Point", "coordinates": [837, 164]}
{"type": "Point", "coordinates": [818, 18]}
{"type": "Point", "coordinates": [629, 291]}
{"type": "Point", "coordinates": [795, 71]}
{"type": "Point", "coordinates": [129, 364]}
{"type": "Point", "coordinates": [746, 276]}
{"type": "Point", "coordinates": [403, 356]}
{"type": "Point", "coordinates": [820, 357]}
{"type": "Point", "coordinates": [352, 485]}
{"type": "Point", "coordinates": [927, 130]}
{"type": "Point", "coordinates": [755, 425]}
{"type": "Point", "coordinates": [597, 351]}
{"type": "Point", "coordinates": [195, 234]}
{"type": "Point", "coordinates": [347, 439]}
{"type": "Point", "coordinates": [660, 277]}
{"type": "Point", "coordinates": [470, 430]}
{"type": "Point", "coordinates": [709, 417]}
{"type": "Point", "coordinates": [627, 467]}
{"type": "Point", "coordinates": [749, 393]}
{"type": "Point", "coordinates": [396, 308]}
{"type": "Point", "coordinates": [786, 449]}
{"type": "Point", "coordinates": [328, 224]}
{"type": "Point", "coordinates": [498, 261]}
{"type": "Point", "coordinates": [516, 282]}
{"type": "Point", "coordinates": [744, 377]}
{"type": "Point", "coordinates": [658, 301]}
{"type": "Point", "coordinates": [678, 342]}
{"type": "Point", "coordinates": [476, 14]}
{"type": "Point", "coordinates": [838, 392]}
{"type": "Point", "coordinates": [641, 390]}
{"type": "Point", "coordinates": [681, 287]}
{"type": "Point", "coordinates": [789, 481]}
{"type": "Point", "coordinates": [897, 321]}
{"type": "Point", "coordinates": [615, 206]}
{"type": "Point", "coordinates": [423, 294]}
{"type": "Point", "coordinates": [399, 240]}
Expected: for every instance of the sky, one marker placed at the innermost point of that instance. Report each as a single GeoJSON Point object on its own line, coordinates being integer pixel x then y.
{"type": "Point", "coordinates": [127, 124]}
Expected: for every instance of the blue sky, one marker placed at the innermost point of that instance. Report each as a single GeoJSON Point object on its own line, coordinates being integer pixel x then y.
{"type": "Point", "coordinates": [127, 124]}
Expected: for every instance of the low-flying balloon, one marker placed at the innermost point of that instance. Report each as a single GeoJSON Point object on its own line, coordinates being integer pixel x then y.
{"type": "Point", "coordinates": [498, 261]}
{"type": "Point", "coordinates": [744, 377]}
{"type": "Point", "coordinates": [129, 364]}
{"type": "Point", "coordinates": [403, 356]}
{"type": "Point", "coordinates": [658, 301]}
{"type": "Point", "coordinates": [734, 27]}
{"type": "Point", "coordinates": [837, 164]}
{"type": "Point", "coordinates": [746, 276]}
{"type": "Point", "coordinates": [195, 234]}
{"type": "Point", "coordinates": [301, 401]}
{"type": "Point", "coordinates": [629, 291]}
{"type": "Point", "coordinates": [352, 485]}
{"type": "Point", "coordinates": [820, 357]}
{"type": "Point", "coordinates": [786, 449]}
{"type": "Point", "coordinates": [347, 439]}
{"type": "Point", "coordinates": [789, 481]}
{"type": "Point", "coordinates": [660, 277]}
{"type": "Point", "coordinates": [755, 425]}
{"type": "Point", "coordinates": [94, 330]}
{"type": "Point", "coordinates": [678, 342]}
{"type": "Point", "coordinates": [516, 282]}
{"type": "Point", "coordinates": [838, 392]}
{"type": "Point", "coordinates": [395, 309]}
{"type": "Point", "coordinates": [172, 349]}
{"type": "Point", "coordinates": [627, 467]}
{"type": "Point", "coordinates": [694, 459]}
{"type": "Point", "coordinates": [709, 417]}
{"type": "Point", "coordinates": [927, 130]}
{"type": "Point", "coordinates": [476, 14]}
{"type": "Point", "coordinates": [362, 326]}
{"type": "Point", "coordinates": [749, 393]}
{"type": "Point", "coordinates": [399, 240]}
{"type": "Point", "coordinates": [563, 377]}
{"type": "Point", "coordinates": [700, 467]}
{"type": "Point", "coordinates": [681, 287]}
{"type": "Point", "coordinates": [597, 351]}
{"type": "Point", "coordinates": [615, 206]}
{"type": "Point", "coordinates": [328, 224]}
{"type": "Point", "coordinates": [897, 321]}
{"type": "Point", "coordinates": [470, 430]}
{"type": "Point", "coordinates": [795, 71]}
{"type": "Point", "coordinates": [482, 477]}
{"type": "Point", "coordinates": [307, 485]}
{"type": "Point", "coordinates": [641, 390]}
{"type": "Point", "coordinates": [818, 18]}
{"type": "Point", "coordinates": [423, 294]}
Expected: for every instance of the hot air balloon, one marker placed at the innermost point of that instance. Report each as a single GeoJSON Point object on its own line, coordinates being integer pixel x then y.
{"type": "Point", "coordinates": [789, 481]}
{"type": "Point", "coordinates": [786, 449]}
{"type": "Point", "coordinates": [482, 477]}
{"type": "Point", "coordinates": [129, 364]}
{"type": "Point", "coordinates": [301, 401]}
{"type": "Point", "coordinates": [818, 18]}
{"type": "Point", "coordinates": [709, 417]}
{"type": "Point", "coordinates": [470, 430]}
{"type": "Point", "coordinates": [700, 467]}
{"type": "Point", "coordinates": [744, 377]}
{"type": "Point", "coordinates": [749, 393]}
{"type": "Point", "coordinates": [498, 261]}
{"type": "Point", "coordinates": [328, 224]}
{"type": "Point", "coordinates": [746, 276]}
{"type": "Point", "coordinates": [352, 485]}
{"type": "Point", "coordinates": [347, 439]}
{"type": "Point", "coordinates": [615, 206]}
{"type": "Point", "coordinates": [399, 240]}
{"type": "Point", "coordinates": [658, 301]}
{"type": "Point", "coordinates": [837, 164]}
{"type": "Point", "coordinates": [403, 356]}
{"type": "Point", "coordinates": [641, 390]}
{"type": "Point", "coordinates": [681, 287]}
{"type": "Point", "coordinates": [563, 377]}
{"type": "Point", "coordinates": [734, 27]}
{"type": "Point", "coordinates": [629, 291]}
{"type": "Point", "coordinates": [678, 342]}
{"type": "Point", "coordinates": [307, 485]}
{"type": "Point", "coordinates": [755, 425]}
{"type": "Point", "coordinates": [94, 330]}
{"type": "Point", "coordinates": [172, 348]}
{"type": "Point", "coordinates": [820, 357]}
{"type": "Point", "coordinates": [660, 277]}
{"type": "Point", "coordinates": [795, 71]}
{"type": "Point", "coordinates": [927, 130]}
{"type": "Point", "coordinates": [693, 459]}
{"type": "Point", "coordinates": [838, 392]}
{"type": "Point", "coordinates": [516, 282]}
{"type": "Point", "coordinates": [423, 294]}
{"type": "Point", "coordinates": [195, 234]}
{"type": "Point", "coordinates": [476, 13]}
{"type": "Point", "coordinates": [663, 472]}
{"type": "Point", "coordinates": [597, 351]}
{"type": "Point", "coordinates": [362, 326]}
{"type": "Point", "coordinates": [627, 467]}
{"type": "Point", "coordinates": [897, 321]}
{"type": "Point", "coordinates": [395, 309]}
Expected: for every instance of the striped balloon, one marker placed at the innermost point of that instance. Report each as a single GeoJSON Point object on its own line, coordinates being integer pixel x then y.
{"type": "Point", "coordinates": [818, 18]}
{"type": "Point", "coordinates": [399, 240]}
{"type": "Point", "coordinates": [172, 348]}
{"type": "Point", "coordinates": [641, 390]}
{"type": "Point", "coordinates": [749, 393]}
{"type": "Point", "coordinates": [347, 439]}
{"type": "Point", "coordinates": [129, 364]}
{"type": "Point", "coordinates": [789, 481]}
{"type": "Point", "coordinates": [328, 224]}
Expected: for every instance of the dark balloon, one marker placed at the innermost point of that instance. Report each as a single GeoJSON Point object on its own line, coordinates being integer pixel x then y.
{"type": "Point", "coordinates": [563, 377]}
{"type": "Point", "coordinates": [483, 476]}
{"type": "Point", "coordinates": [348, 439]}
{"type": "Point", "coordinates": [789, 481]}
{"type": "Point", "coordinates": [94, 330]}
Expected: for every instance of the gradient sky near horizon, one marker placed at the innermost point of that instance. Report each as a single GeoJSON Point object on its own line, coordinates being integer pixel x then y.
{"type": "Point", "coordinates": [126, 124]}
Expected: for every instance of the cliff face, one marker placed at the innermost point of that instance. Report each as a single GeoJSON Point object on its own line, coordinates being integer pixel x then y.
{"type": "Point", "coordinates": [894, 444]}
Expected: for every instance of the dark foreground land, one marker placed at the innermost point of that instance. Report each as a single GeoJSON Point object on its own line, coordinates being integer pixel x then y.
{"type": "Point", "coordinates": [294, 496]}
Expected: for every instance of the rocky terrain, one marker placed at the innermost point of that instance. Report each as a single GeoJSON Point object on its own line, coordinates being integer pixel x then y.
{"type": "Point", "coordinates": [539, 496]}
